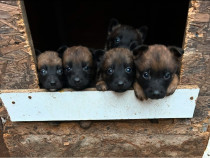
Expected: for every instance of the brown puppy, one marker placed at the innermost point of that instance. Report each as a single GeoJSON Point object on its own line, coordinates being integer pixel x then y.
{"type": "Point", "coordinates": [79, 67]}
{"type": "Point", "coordinates": [50, 70]}
{"type": "Point", "coordinates": [157, 70]}
{"type": "Point", "coordinates": [125, 36]}
{"type": "Point", "coordinates": [117, 71]}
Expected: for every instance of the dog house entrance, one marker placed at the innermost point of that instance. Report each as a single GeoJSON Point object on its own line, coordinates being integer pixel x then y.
{"type": "Point", "coordinates": [53, 23]}
{"type": "Point", "coordinates": [85, 22]}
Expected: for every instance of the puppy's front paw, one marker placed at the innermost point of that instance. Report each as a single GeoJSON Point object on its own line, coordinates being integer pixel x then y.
{"type": "Point", "coordinates": [139, 92]}
{"type": "Point", "coordinates": [173, 85]}
{"type": "Point", "coordinates": [140, 95]}
{"type": "Point", "coordinates": [101, 86]}
{"type": "Point", "coordinates": [170, 91]}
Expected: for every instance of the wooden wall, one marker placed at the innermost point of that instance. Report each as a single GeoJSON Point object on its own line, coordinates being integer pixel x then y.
{"type": "Point", "coordinates": [169, 137]}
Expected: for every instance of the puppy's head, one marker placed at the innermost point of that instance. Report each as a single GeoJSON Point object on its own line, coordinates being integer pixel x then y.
{"type": "Point", "coordinates": [78, 67]}
{"type": "Point", "coordinates": [156, 67]}
{"type": "Point", "coordinates": [124, 36]}
{"type": "Point", "coordinates": [117, 69]}
{"type": "Point", "coordinates": [50, 70]}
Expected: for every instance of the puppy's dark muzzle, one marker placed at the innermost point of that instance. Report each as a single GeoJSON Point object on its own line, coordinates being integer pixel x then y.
{"type": "Point", "coordinates": [156, 94]}
{"type": "Point", "coordinates": [120, 90]}
{"type": "Point", "coordinates": [120, 87]}
{"type": "Point", "coordinates": [120, 84]}
{"type": "Point", "coordinates": [53, 83]}
{"type": "Point", "coordinates": [77, 80]}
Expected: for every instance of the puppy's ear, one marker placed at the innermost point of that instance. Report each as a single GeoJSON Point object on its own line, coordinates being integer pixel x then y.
{"type": "Point", "coordinates": [37, 52]}
{"type": "Point", "coordinates": [97, 56]}
{"type": "Point", "coordinates": [133, 45]}
{"type": "Point", "coordinates": [177, 51]}
{"type": "Point", "coordinates": [143, 31]}
{"type": "Point", "coordinates": [61, 50]}
{"type": "Point", "coordinates": [139, 50]}
{"type": "Point", "coordinates": [112, 25]}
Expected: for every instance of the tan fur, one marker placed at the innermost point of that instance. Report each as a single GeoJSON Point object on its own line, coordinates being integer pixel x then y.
{"type": "Point", "coordinates": [49, 58]}
{"type": "Point", "coordinates": [173, 85]}
{"type": "Point", "coordinates": [139, 91]}
{"type": "Point", "coordinates": [117, 55]}
{"type": "Point", "coordinates": [157, 57]}
{"type": "Point", "coordinates": [101, 86]}
{"type": "Point", "coordinates": [77, 54]}
{"type": "Point", "coordinates": [114, 27]}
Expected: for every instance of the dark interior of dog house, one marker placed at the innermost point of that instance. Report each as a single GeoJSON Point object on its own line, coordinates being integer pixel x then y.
{"type": "Point", "coordinates": [85, 22]}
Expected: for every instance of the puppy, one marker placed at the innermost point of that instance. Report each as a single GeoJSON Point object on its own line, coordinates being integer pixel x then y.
{"type": "Point", "coordinates": [79, 67]}
{"type": "Point", "coordinates": [124, 36]}
{"type": "Point", "coordinates": [157, 70]}
{"type": "Point", "coordinates": [50, 70]}
{"type": "Point", "coordinates": [117, 71]}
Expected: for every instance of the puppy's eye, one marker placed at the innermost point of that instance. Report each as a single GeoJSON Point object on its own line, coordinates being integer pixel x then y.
{"type": "Point", "coordinates": [68, 69]}
{"type": "Point", "coordinates": [146, 75]}
{"type": "Point", "coordinates": [128, 69]}
{"type": "Point", "coordinates": [110, 71]}
{"type": "Point", "coordinates": [167, 76]}
{"type": "Point", "coordinates": [86, 68]}
{"type": "Point", "coordinates": [43, 72]}
{"type": "Point", "coordinates": [117, 40]}
{"type": "Point", "coordinates": [60, 71]}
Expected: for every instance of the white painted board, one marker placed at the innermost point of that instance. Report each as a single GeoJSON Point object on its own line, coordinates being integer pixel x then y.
{"type": "Point", "coordinates": [95, 105]}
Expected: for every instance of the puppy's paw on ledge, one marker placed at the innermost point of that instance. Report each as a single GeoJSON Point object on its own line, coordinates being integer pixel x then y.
{"type": "Point", "coordinates": [139, 92]}
{"type": "Point", "coordinates": [101, 86]}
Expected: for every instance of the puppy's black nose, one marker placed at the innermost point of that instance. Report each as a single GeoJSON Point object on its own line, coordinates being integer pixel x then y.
{"type": "Point", "coordinates": [120, 83]}
{"type": "Point", "coordinates": [77, 80]}
{"type": "Point", "coordinates": [52, 83]}
{"type": "Point", "coordinates": [156, 93]}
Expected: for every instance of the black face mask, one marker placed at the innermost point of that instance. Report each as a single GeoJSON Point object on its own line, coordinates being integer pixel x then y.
{"type": "Point", "coordinates": [51, 77]}
{"type": "Point", "coordinates": [79, 76]}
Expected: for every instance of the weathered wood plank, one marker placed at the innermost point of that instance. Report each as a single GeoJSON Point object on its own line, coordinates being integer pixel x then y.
{"type": "Point", "coordinates": [17, 68]}
{"type": "Point", "coordinates": [207, 151]}
{"type": "Point", "coordinates": [196, 60]}
{"type": "Point", "coordinates": [198, 17]}
{"type": "Point", "coordinates": [9, 8]}
{"type": "Point", "coordinates": [14, 42]}
{"type": "Point", "coordinates": [107, 138]}
{"type": "Point", "coordinates": [108, 105]}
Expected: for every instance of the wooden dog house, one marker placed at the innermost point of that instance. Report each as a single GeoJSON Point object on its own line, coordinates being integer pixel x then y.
{"type": "Point", "coordinates": [168, 137]}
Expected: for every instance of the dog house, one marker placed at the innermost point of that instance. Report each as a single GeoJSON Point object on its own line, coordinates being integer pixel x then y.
{"type": "Point", "coordinates": [164, 138]}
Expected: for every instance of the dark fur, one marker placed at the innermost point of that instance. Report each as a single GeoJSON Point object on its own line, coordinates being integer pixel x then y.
{"type": "Point", "coordinates": [113, 75]}
{"type": "Point", "coordinates": [124, 36]}
{"type": "Point", "coordinates": [157, 70]}
{"type": "Point", "coordinates": [50, 70]}
{"type": "Point", "coordinates": [79, 67]}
